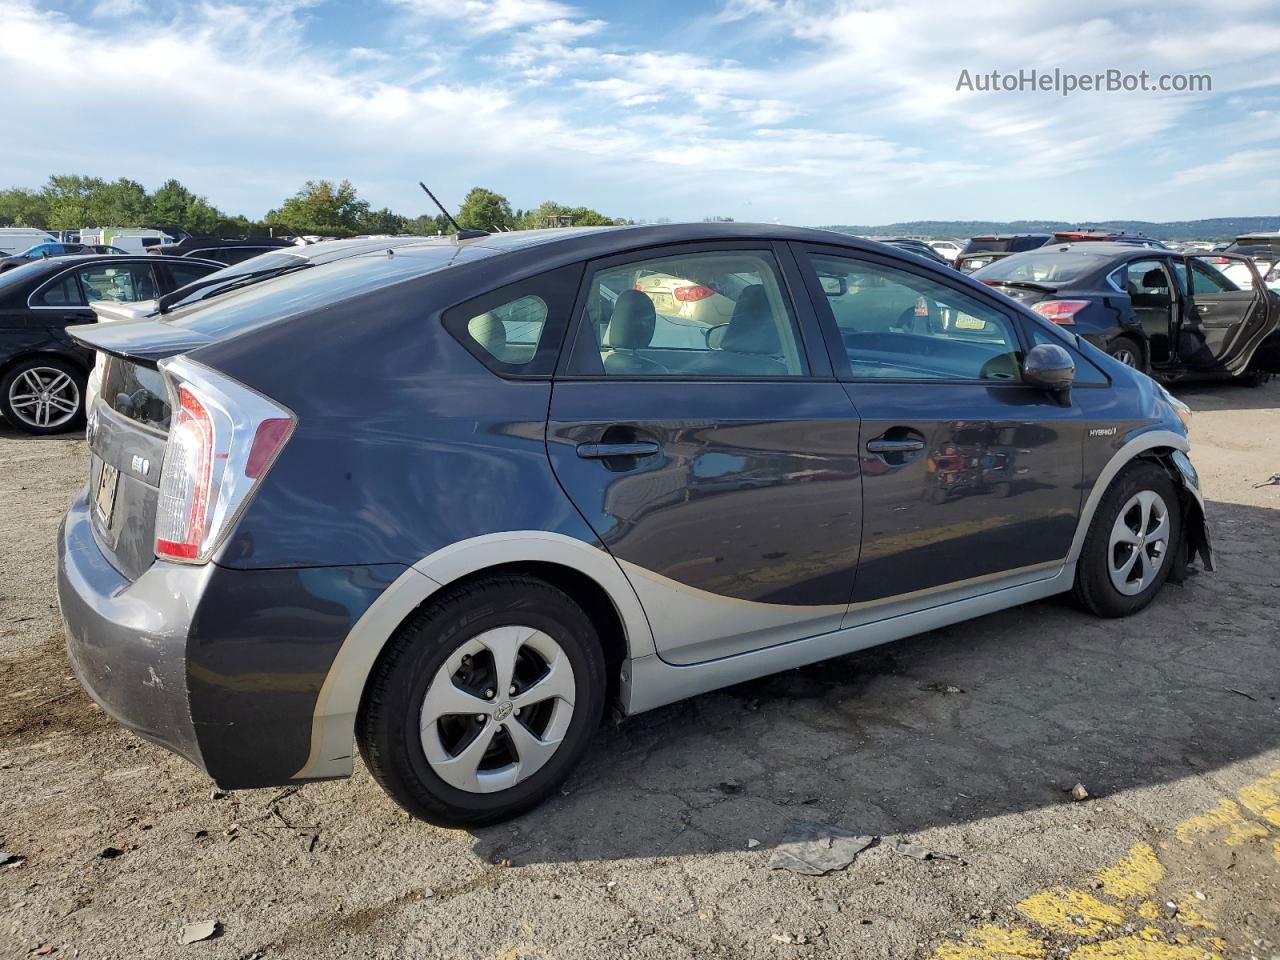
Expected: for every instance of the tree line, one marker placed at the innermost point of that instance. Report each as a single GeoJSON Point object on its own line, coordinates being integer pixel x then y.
{"type": "Point", "coordinates": [319, 208]}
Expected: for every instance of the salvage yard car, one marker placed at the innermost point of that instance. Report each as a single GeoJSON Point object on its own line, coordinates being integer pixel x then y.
{"type": "Point", "coordinates": [1173, 315]}
{"type": "Point", "coordinates": [450, 502]}
{"type": "Point", "coordinates": [42, 372]}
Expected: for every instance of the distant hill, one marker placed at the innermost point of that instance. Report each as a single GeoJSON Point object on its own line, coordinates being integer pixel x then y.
{"type": "Point", "coordinates": [1218, 228]}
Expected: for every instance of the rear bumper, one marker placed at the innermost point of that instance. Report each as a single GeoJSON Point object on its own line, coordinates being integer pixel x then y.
{"type": "Point", "coordinates": [127, 642]}
{"type": "Point", "coordinates": [221, 666]}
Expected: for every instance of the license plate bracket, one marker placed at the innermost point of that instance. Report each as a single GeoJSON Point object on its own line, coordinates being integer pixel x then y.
{"type": "Point", "coordinates": [104, 498]}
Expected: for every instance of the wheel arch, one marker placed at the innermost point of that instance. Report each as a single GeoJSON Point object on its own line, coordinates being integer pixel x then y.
{"type": "Point", "coordinates": [586, 572]}
{"type": "Point", "coordinates": [1168, 450]}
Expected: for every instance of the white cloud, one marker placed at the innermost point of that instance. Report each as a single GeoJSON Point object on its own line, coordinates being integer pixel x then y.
{"type": "Point", "coordinates": [813, 105]}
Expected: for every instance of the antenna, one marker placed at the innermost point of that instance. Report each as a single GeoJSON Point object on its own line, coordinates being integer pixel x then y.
{"type": "Point", "coordinates": [447, 215]}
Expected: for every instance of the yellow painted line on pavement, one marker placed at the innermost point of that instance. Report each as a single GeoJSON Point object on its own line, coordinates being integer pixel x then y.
{"type": "Point", "coordinates": [1069, 911]}
{"type": "Point", "coordinates": [1129, 887]}
{"type": "Point", "coordinates": [1134, 876]}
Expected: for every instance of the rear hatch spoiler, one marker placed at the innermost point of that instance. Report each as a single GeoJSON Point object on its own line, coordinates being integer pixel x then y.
{"type": "Point", "coordinates": [143, 341]}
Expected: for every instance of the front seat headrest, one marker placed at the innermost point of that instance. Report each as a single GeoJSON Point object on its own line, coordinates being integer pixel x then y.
{"type": "Point", "coordinates": [751, 328]}
{"type": "Point", "coordinates": [631, 325]}
{"type": "Point", "coordinates": [1154, 279]}
{"type": "Point", "coordinates": [490, 332]}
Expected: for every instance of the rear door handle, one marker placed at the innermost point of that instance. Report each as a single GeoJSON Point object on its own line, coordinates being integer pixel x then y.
{"type": "Point", "coordinates": [598, 451]}
{"type": "Point", "coordinates": [895, 446]}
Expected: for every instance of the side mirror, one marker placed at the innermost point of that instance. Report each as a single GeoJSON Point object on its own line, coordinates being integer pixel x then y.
{"type": "Point", "coordinates": [715, 336]}
{"type": "Point", "coordinates": [1050, 367]}
{"type": "Point", "coordinates": [833, 286]}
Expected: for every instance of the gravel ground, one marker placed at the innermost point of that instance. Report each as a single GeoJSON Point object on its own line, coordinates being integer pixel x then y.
{"type": "Point", "coordinates": [965, 741]}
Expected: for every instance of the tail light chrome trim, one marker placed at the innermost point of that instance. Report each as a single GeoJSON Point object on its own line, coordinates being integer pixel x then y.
{"type": "Point", "coordinates": [223, 441]}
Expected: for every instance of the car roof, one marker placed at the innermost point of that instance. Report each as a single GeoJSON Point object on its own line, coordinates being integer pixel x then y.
{"type": "Point", "coordinates": [1271, 236]}
{"type": "Point", "coordinates": [1099, 248]}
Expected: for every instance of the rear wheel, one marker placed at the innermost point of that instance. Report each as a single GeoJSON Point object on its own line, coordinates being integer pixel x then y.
{"type": "Point", "coordinates": [43, 395]}
{"type": "Point", "coordinates": [1127, 351]}
{"type": "Point", "coordinates": [485, 700]}
{"type": "Point", "coordinates": [1132, 542]}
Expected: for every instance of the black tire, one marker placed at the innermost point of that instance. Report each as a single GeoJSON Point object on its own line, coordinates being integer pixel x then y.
{"type": "Point", "coordinates": [39, 363]}
{"type": "Point", "coordinates": [1121, 346]}
{"type": "Point", "coordinates": [1093, 587]}
{"type": "Point", "coordinates": [387, 726]}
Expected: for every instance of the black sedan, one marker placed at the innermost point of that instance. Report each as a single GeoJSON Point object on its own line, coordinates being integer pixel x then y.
{"type": "Point", "coordinates": [1170, 315]}
{"type": "Point", "coordinates": [42, 372]}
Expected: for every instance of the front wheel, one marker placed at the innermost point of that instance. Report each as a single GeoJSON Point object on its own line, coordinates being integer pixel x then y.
{"type": "Point", "coordinates": [43, 395]}
{"type": "Point", "coordinates": [485, 700]}
{"type": "Point", "coordinates": [1131, 544]}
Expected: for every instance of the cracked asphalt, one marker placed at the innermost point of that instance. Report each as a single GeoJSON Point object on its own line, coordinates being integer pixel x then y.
{"type": "Point", "coordinates": [965, 741]}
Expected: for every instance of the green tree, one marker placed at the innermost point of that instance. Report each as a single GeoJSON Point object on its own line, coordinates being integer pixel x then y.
{"type": "Point", "coordinates": [122, 203]}
{"type": "Point", "coordinates": [172, 203]}
{"type": "Point", "coordinates": [20, 207]}
{"type": "Point", "coordinates": [485, 210]}
{"type": "Point", "coordinates": [428, 225]}
{"type": "Point", "coordinates": [383, 221]}
{"type": "Point", "coordinates": [552, 214]}
{"type": "Point", "coordinates": [70, 199]}
{"type": "Point", "coordinates": [324, 208]}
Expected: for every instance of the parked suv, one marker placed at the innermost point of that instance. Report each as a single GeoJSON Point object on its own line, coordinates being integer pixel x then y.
{"type": "Point", "coordinates": [449, 502]}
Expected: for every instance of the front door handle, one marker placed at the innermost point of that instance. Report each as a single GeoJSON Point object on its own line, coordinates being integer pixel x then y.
{"type": "Point", "coordinates": [895, 446]}
{"type": "Point", "coordinates": [599, 451]}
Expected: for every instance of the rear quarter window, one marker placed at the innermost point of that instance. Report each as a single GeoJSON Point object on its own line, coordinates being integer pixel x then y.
{"type": "Point", "coordinates": [517, 329]}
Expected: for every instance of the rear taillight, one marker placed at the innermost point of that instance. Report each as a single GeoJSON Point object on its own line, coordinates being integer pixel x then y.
{"type": "Point", "coordinates": [1060, 311]}
{"type": "Point", "coordinates": [693, 294]}
{"type": "Point", "coordinates": [223, 439]}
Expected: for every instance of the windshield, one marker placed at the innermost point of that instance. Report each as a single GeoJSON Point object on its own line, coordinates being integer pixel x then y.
{"type": "Point", "coordinates": [1039, 268]}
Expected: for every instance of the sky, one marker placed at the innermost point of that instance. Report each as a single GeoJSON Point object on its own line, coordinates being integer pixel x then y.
{"type": "Point", "coordinates": [799, 111]}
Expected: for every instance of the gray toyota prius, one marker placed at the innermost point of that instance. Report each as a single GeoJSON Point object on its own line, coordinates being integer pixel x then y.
{"type": "Point", "coordinates": [449, 500]}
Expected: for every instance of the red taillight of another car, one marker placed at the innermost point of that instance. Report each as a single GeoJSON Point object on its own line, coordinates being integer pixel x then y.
{"type": "Point", "coordinates": [1060, 311]}
{"type": "Point", "coordinates": [223, 440]}
{"type": "Point", "coordinates": [693, 294]}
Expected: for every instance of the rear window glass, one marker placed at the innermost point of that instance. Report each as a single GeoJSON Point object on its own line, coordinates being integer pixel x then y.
{"type": "Point", "coordinates": [1255, 248]}
{"type": "Point", "coordinates": [1041, 268]}
{"type": "Point", "coordinates": [136, 392]}
{"type": "Point", "coordinates": [305, 290]}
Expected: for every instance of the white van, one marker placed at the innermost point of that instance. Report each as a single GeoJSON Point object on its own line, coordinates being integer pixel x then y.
{"type": "Point", "coordinates": [129, 239]}
{"type": "Point", "coordinates": [14, 240]}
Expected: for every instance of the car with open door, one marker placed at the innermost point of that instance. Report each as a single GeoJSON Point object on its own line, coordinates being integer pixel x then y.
{"type": "Point", "coordinates": [1173, 315]}
{"type": "Point", "coordinates": [449, 504]}
{"type": "Point", "coordinates": [43, 372]}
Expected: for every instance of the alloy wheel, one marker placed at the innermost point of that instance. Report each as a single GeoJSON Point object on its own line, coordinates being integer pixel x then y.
{"type": "Point", "coordinates": [44, 397]}
{"type": "Point", "coordinates": [1139, 542]}
{"type": "Point", "coordinates": [497, 709]}
{"type": "Point", "coordinates": [1126, 356]}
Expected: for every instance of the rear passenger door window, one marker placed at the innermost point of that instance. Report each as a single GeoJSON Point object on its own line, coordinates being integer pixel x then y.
{"type": "Point", "coordinates": [704, 315]}
{"type": "Point", "coordinates": [898, 325]}
{"type": "Point", "coordinates": [123, 283]}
